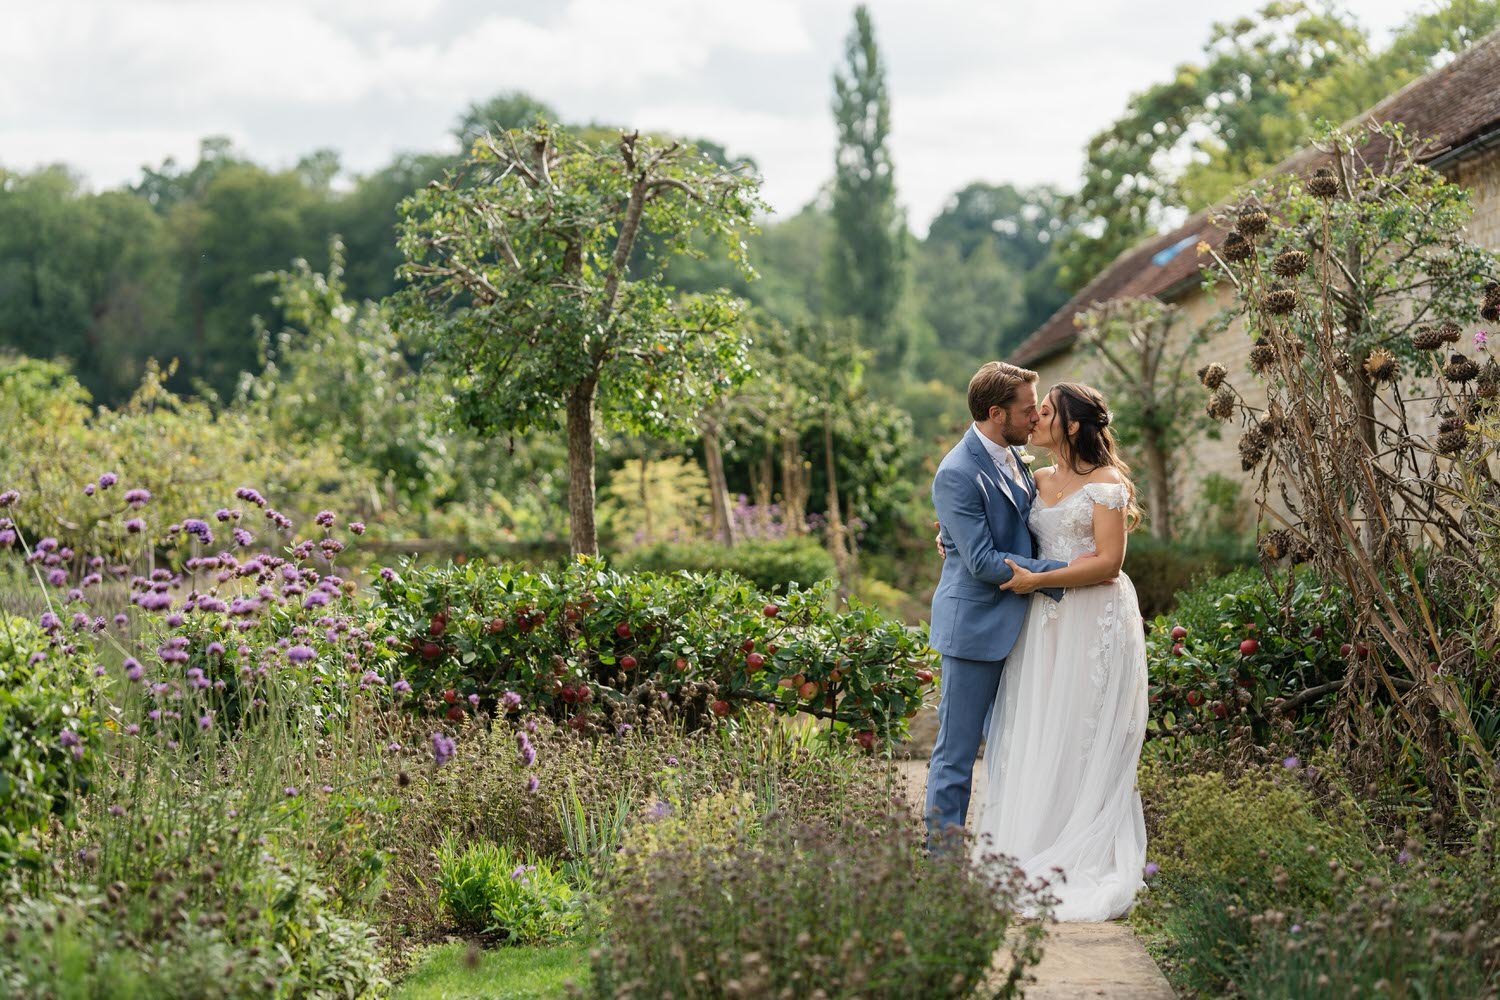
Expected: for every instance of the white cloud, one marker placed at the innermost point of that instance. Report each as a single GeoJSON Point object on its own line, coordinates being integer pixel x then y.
{"type": "Point", "coordinates": [980, 90]}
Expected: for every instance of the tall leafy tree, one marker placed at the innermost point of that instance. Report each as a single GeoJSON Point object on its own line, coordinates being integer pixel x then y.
{"type": "Point", "coordinates": [522, 285]}
{"type": "Point", "coordinates": [867, 259]}
{"type": "Point", "coordinates": [1226, 115]}
{"type": "Point", "coordinates": [501, 113]}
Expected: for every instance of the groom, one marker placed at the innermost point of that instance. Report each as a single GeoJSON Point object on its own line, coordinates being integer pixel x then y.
{"type": "Point", "coordinates": [983, 493]}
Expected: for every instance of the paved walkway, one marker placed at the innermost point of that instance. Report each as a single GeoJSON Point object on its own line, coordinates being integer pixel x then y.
{"type": "Point", "coordinates": [1079, 960]}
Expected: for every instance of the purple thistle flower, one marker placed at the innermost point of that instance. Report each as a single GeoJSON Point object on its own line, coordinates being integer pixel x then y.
{"type": "Point", "coordinates": [88, 489]}
{"type": "Point", "coordinates": [528, 755]}
{"type": "Point", "coordinates": [290, 791]}
{"type": "Point", "coordinates": [300, 654]}
{"type": "Point", "coordinates": [473, 699]}
{"type": "Point", "coordinates": [1290, 763]}
{"type": "Point", "coordinates": [532, 784]}
{"type": "Point", "coordinates": [137, 498]}
{"type": "Point", "coordinates": [386, 573]}
{"type": "Point", "coordinates": [442, 749]}
{"type": "Point", "coordinates": [133, 670]}
{"type": "Point", "coordinates": [117, 810]}
{"type": "Point", "coordinates": [315, 599]}
{"type": "Point", "coordinates": [174, 620]}
{"type": "Point", "coordinates": [135, 526]}
{"type": "Point", "coordinates": [107, 479]}
{"type": "Point", "coordinates": [1151, 868]}
{"type": "Point", "coordinates": [131, 729]}
{"type": "Point", "coordinates": [1295, 929]}
{"type": "Point", "coordinates": [1403, 857]}
{"type": "Point", "coordinates": [660, 809]}
{"type": "Point", "coordinates": [401, 687]}
{"type": "Point", "coordinates": [122, 619]}
{"type": "Point", "coordinates": [205, 720]}
{"type": "Point", "coordinates": [68, 738]}
{"type": "Point", "coordinates": [510, 700]}
{"type": "Point", "coordinates": [9, 497]}
{"type": "Point", "coordinates": [35, 658]}
{"type": "Point", "coordinates": [672, 760]}
{"type": "Point", "coordinates": [49, 622]}
{"type": "Point", "coordinates": [216, 648]}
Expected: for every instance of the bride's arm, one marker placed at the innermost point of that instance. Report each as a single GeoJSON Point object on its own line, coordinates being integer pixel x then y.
{"type": "Point", "coordinates": [1085, 571]}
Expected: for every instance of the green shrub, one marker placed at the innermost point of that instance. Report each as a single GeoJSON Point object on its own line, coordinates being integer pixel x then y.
{"type": "Point", "coordinates": [72, 943]}
{"type": "Point", "coordinates": [771, 565]}
{"type": "Point", "coordinates": [1160, 570]}
{"type": "Point", "coordinates": [49, 732]}
{"type": "Point", "coordinates": [601, 649]}
{"type": "Point", "coordinates": [1231, 848]}
{"type": "Point", "coordinates": [488, 890]}
{"type": "Point", "coordinates": [716, 908]}
{"type": "Point", "coordinates": [1209, 681]}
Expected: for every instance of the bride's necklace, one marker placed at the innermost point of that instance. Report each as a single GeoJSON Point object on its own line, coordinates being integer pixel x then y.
{"type": "Point", "coordinates": [1058, 491]}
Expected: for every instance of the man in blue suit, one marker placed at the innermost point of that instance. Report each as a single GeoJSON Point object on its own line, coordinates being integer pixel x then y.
{"type": "Point", "coordinates": [983, 494]}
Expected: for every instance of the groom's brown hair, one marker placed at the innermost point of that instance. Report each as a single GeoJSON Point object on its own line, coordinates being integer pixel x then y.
{"type": "Point", "coordinates": [995, 384]}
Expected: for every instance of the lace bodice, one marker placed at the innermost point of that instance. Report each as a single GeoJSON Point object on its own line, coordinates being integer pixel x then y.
{"type": "Point", "coordinates": [1065, 530]}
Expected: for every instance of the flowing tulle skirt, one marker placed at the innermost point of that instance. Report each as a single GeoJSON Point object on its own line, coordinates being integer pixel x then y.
{"type": "Point", "coordinates": [1062, 749]}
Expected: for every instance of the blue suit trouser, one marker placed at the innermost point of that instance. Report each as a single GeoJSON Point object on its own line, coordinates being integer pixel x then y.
{"type": "Point", "coordinates": [969, 688]}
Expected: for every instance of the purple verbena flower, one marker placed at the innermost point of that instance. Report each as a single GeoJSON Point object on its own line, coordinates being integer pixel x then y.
{"type": "Point", "coordinates": [88, 489]}
{"type": "Point", "coordinates": [250, 496]}
{"type": "Point", "coordinates": [9, 497]}
{"type": "Point", "coordinates": [57, 577]}
{"type": "Point", "coordinates": [442, 749]}
{"type": "Point", "coordinates": [324, 518]}
{"type": "Point", "coordinates": [357, 527]}
{"type": "Point", "coordinates": [137, 498]}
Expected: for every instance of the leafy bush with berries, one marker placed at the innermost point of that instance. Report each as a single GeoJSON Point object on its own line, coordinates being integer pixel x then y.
{"type": "Point", "coordinates": [601, 649]}
{"type": "Point", "coordinates": [1241, 653]}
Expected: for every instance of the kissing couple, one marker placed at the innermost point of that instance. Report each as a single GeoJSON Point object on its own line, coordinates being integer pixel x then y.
{"type": "Point", "coordinates": [1042, 643]}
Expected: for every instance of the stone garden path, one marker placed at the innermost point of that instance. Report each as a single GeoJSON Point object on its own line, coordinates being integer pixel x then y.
{"type": "Point", "coordinates": [1079, 960]}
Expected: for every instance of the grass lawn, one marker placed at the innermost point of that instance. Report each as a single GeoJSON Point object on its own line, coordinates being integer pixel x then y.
{"type": "Point", "coordinates": [518, 973]}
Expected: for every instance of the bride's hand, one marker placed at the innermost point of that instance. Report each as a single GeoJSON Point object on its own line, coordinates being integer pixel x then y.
{"type": "Point", "coordinates": [939, 539]}
{"type": "Point", "coordinates": [1022, 581]}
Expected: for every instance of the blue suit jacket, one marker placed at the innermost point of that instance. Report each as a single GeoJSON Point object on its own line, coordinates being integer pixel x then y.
{"type": "Point", "coordinates": [983, 524]}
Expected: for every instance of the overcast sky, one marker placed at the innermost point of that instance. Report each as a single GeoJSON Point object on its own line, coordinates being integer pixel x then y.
{"type": "Point", "coordinates": [994, 90]}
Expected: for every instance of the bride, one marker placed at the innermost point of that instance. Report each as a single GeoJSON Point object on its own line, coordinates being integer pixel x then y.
{"type": "Point", "coordinates": [1068, 723]}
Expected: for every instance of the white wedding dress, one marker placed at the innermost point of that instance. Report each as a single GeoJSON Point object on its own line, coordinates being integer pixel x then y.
{"type": "Point", "coordinates": [1066, 732]}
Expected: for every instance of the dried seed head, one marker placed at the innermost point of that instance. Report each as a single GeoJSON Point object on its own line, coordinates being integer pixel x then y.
{"type": "Point", "coordinates": [1451, 422]}
{"type": "Point", "coordinates": [1236, 248]}
{"type": "Point", "coordinates": [1460, 369]}
{"type": "Point", "coordinates": [1212, 375]}
{"type": "Point", "coordinates": [1274, 546]}
{"type": "Point", "coordinates": [1262, 356]}
{"type": "Point", "coordinates": [1322, 183]}
{"type": "Point", "coordinates": [1289, 263]}
{"type": "Point", "coordinates": [1487, 386]}
{"type": "Point", "coordinates": [1279, 299]}
{"type": "Point", "coordinates": [1450, 332]}
{"type": "Point", "coordinates": [1221, 403]}
{"type": "Point", "coordinates": [1453, 442]}
{"type": "Point", "coordinates": [1252, 449]}
{"type": "Point", "coordinates": [1252, 222]}
{"type": "Point", "coordinates": [1381, 365]}
{"type": "Point", "coordinates": [1427, 338]}
{"type": "Point", "coordinates": [1492, 294]}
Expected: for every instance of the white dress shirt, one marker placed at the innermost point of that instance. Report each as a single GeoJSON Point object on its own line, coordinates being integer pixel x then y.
{"type": "Point", "coordinates": [1003, 457]}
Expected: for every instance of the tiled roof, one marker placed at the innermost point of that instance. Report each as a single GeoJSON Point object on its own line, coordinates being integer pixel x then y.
{"type": "Point", "coordinates": [1450, 106]}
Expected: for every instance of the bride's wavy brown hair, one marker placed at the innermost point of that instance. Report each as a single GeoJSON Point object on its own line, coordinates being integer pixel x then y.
{"type": "Point", "coordinates": [1092, 445]}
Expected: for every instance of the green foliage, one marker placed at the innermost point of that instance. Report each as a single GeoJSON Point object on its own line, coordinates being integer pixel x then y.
{"type": "Point", "coordinates": [602, 649]}
{"type": "Point", "coordinates": [516, 973]}
{"type": "Point", "coordinates": [1162, 570]}
{"type": "Point", "coordinates": [1232, 114]}
{"type": "Point", "coordinates": [1270, 886]}
{"type": "Point", "coordinates": [70, 943]}
{"type": "Point", "coordinates": [772, 565]}
{"type": "Point", "coordinates": [868, 256]}
{"type": "Point", "coordinates": [646, 500]}
{"type": "Point", "coordinates": [488, 890]}
{"type": "Point", "coordinates": [44, 692]}
{"type": "Point", "coordinates": [1207, 682]}
{"type": "Point", "coordinates": [712, 906]}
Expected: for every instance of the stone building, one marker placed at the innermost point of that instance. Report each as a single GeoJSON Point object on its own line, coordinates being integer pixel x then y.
{"type": "Point", "coordinates": [1456, 106]}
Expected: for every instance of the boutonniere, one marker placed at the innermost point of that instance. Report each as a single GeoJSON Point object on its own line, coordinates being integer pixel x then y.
{"type": "Point", "coordinates": [1027, 456]}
